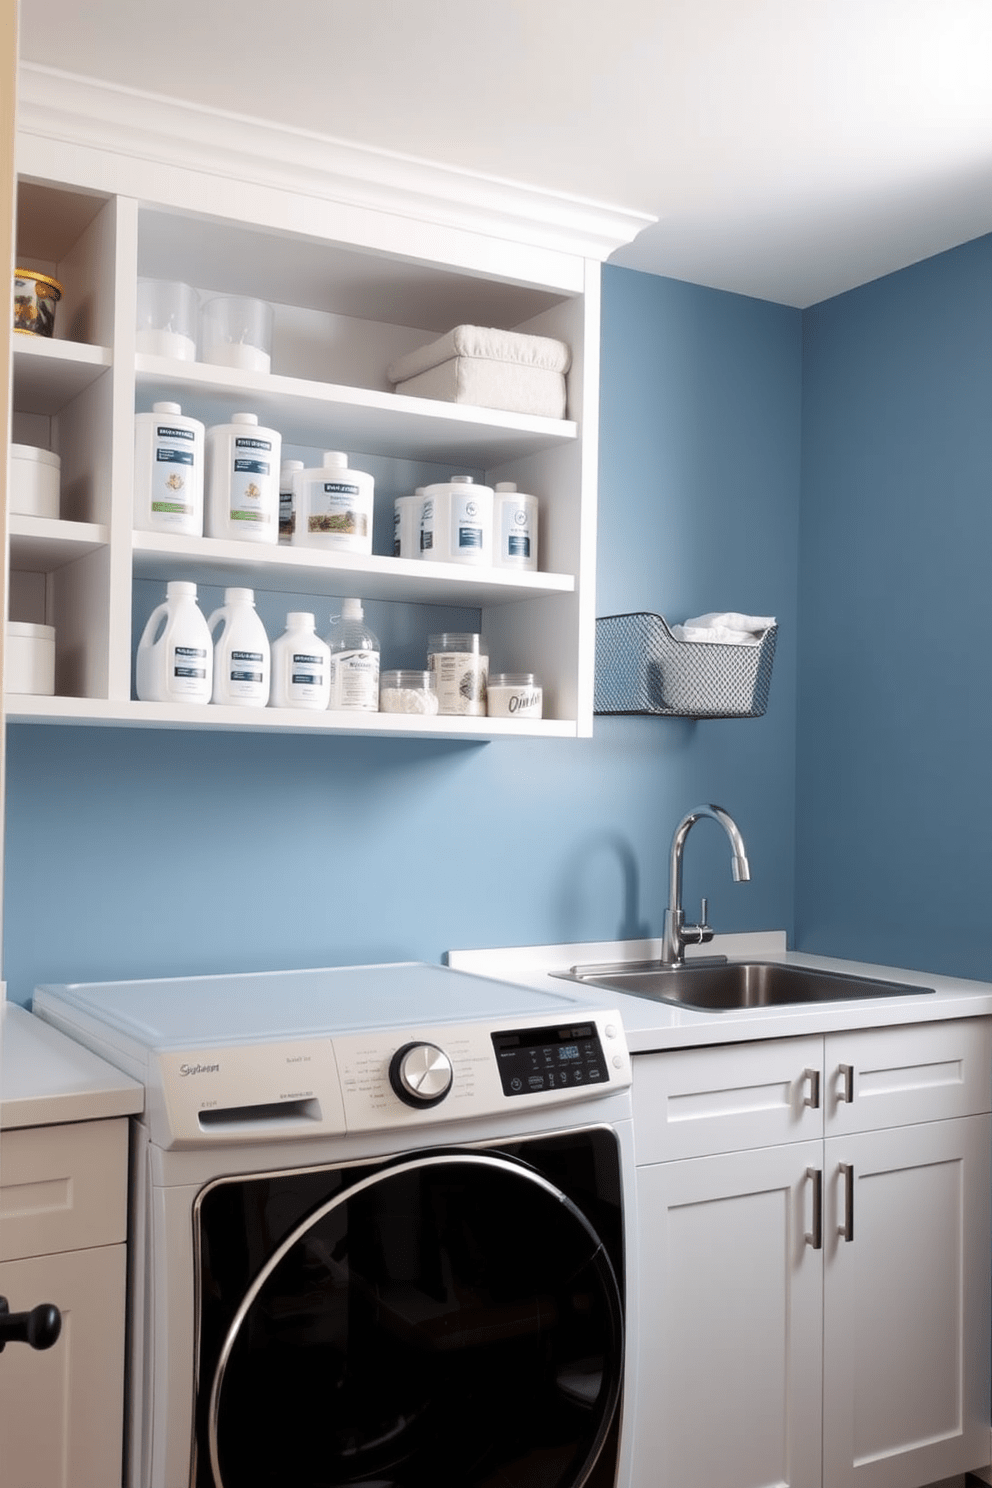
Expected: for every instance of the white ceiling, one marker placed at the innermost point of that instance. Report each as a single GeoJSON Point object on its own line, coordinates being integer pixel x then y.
{"type": "Point", "coordinates": [790, 149]}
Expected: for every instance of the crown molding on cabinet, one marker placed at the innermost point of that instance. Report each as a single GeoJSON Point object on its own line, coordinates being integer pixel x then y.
{"type": "Point", "coordinates": [71, 110]}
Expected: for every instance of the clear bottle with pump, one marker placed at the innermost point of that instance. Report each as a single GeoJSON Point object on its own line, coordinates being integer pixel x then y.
{"type": "Point", "coordinates": [354, 660]}
{"type": "Point", "coordinates": [301, 665]}
{"type": "Point", "coordinates": [242, 656]}
{"type": "Point", "coordinates": [175, 656]}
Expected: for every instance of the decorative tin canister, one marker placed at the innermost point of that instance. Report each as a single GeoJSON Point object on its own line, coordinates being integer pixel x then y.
{"type": "Point", "coordinates": [35, 299]}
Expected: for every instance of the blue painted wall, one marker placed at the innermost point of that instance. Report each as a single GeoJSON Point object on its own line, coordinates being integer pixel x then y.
{"type": "Point", "coordinates": [894, 794]}
{"type": "Point", "coordinates": [133, 853]}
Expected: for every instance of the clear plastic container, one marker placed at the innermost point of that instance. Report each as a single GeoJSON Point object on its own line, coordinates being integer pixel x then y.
{"type": "Point", "coordinates": [514, 695]}
{"type": "Point", "coordinates": [408, 692]}
{"type": "Point", "coordinates": [166, 319]}
{"type": "Point", "coordinates": [354, 661]}
{"type": "Point", "coordinates": [460, 668]}
{"type": "Point", "coordinates": [237, 332]}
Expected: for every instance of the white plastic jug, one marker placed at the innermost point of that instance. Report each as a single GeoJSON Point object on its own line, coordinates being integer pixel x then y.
{"type": "Point", "coordinates": [242, 656]}
{"type": "Point", "coordinates": [175, 654]}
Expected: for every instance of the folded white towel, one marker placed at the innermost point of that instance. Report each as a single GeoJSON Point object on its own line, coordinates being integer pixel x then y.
{"type": "Point", "coordinates": [726, 628]}
{"type": "Point", "coordinates": [486, 343]}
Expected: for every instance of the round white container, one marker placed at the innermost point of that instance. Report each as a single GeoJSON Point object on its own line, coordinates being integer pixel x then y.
{"type": "Point", "coordinates": [175, 658]}
{"type": "Point", "coordinates": [514, 527]}
{"type": "Point", "coordinates": [242, 655]}
{"type": "Point", "coordinates": [333, 506]}
{"type": "Point", "coordinates": [168, 471]}
{"type": "Point", "coordinates": [29, 659]}
{"type": "Point", "coordinates": [460, 669]}
{"type": "Point", "coordinates": [406, 524]}
{"type": "Point", "coordinates": [166, 319]}
{"type": "Point", "coordinates": [242, 483]}
{"type": "Point", "coordinates": [301, 665]}
{"type": "Point", "coordinates": [408, 692]}
{"type": "Point", "coordinates": [456, 524]}
{"type": "Point", "coordinates": [513, 695]}
{"type": "Point", "coordinates": [35, 475]}
{"type": "Point", "coordinates": [237, 332]}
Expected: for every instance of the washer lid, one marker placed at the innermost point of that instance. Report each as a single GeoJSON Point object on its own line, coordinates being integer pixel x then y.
{"type": "Point", "coordinates": [179, 1012]}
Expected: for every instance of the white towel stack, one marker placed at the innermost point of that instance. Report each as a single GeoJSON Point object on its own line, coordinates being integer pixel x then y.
{"type": "Point", "coordinates": [490, 368]}
{"type": "Point", "coordinates": [726, 628]}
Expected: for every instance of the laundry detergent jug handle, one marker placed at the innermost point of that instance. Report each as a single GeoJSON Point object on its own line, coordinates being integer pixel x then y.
{"type": "Point", "coordinates": [148, 637]}
{"type": "Point", "coordinates": [215, 618]}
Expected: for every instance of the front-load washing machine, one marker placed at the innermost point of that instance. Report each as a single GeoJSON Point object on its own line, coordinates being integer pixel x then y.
{"type": "Point", "coordinates": [377, 1228]}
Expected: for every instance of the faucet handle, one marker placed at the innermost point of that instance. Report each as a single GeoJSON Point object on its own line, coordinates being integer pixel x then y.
{"type": "Point", "coordinates": [703, 913]}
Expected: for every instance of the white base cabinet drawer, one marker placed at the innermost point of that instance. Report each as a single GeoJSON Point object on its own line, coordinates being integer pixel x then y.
{"type": "Point", "coordinates": [894, 1076]}
{"type": "Point", "coordinates": [62, 1187]}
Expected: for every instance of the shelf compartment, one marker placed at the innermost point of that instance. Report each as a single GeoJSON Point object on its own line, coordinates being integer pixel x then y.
{"type": "Point", "coordinates": [44, 544]}
{"type": "Point", "coordinates": [205, 560]}
{"type": "Point", "coordinates": [48, 375]}
{"type": "Point", "coordinates": [97, 712]}
{"type": "Point", "coordinates": [642, 668]}
{"type": "Point", "coordinates": [360, 420]}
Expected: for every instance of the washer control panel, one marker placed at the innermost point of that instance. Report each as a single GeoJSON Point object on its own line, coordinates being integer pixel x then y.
{"type": "Point", "coordinates": [533, 1059]}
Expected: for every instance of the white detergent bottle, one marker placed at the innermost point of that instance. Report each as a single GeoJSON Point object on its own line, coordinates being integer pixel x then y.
{"type": "Point", "coordinates": [168, 471]}
{"type": "Point", "coordinates": [242, 490]}
{"type": "Point", "coordinates": [334, 506]}
{"type": "Point", "coordinates": [354, 660]}
{"type": "Point", "coordinates": [175, 654]}
{"type": "Point", "coordinates": [301, 665]}
{"type": "Point", "coordinates": [242, 656]}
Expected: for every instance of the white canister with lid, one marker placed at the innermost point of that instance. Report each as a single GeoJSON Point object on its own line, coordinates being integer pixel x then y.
{"type": "Point", "coordinates": [175, 661]}
{"type": "Point", "coordinates": [168, 471]}
{"type": "Point", "coordinates": [242, 655]}
{"type": "Point", "coordinates": [456, 524]}
{"type": "Point", "coordinates": [460, 668]}
{"type": "Point", "coordinates": [514, 695]}
{"type": "Point", "coordinates": [243, 463]}
{"type": "Point", "coordinates": [29, 660]}
{"type": "Point", "coordinates": [334, 506]}
{"type": "Point", "coordinates": [514, 527]}
{"type": "Point", "coordinates": [35, 476]}
{"type": "Point", "coordinates": [301, 665]}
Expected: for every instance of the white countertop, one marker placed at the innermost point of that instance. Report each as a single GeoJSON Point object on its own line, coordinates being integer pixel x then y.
{"type": "Point", "coordinates": [653, 1025]}
{"type": "Point", "coordinates": [46, 1079]}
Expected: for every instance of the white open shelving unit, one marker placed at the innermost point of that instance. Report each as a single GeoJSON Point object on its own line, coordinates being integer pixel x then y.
{"type": "Point", "coordinates": [363, 257]}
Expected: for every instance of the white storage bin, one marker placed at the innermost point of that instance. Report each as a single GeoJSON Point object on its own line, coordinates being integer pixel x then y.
{"type": "Point", "coordinates": [29, 659]}
{"type": "Point", "coordinates": [35, 476]}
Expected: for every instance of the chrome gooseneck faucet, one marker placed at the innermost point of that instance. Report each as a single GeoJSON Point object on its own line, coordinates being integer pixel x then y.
{"type": "Point", "coordinates": [677, 934]}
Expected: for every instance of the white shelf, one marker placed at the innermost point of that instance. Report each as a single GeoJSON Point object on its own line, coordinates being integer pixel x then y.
{"type": "Point", "coordinates": [44, 545]}
{"type": "Point", "coordinates": [96, 712]}
{"type": "Point", "coordinates": [331, 416]}
{"type": "Point", "coordinates": [206, 560]}
{"type": "Point", "coordinates": [48, 375]}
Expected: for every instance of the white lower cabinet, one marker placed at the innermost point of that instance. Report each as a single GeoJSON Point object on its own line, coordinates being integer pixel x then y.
{"type": "Point", "coordinates": [814, 1310]}
{"type": "Point", "coordinates": [63, 1205]}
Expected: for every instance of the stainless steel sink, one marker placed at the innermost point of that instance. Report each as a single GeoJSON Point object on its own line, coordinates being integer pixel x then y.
{"type": "Point", "coordinates": [730, 985]}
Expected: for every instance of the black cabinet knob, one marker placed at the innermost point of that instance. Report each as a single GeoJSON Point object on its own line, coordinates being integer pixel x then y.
{"type": "Point", "coordinates": [40, 1327]}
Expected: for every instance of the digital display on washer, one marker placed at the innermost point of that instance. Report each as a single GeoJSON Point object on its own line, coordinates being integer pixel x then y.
{"type": "Point", "coordinates": [534, 1059]}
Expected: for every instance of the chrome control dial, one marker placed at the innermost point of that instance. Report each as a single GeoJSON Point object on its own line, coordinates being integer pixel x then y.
{"type": "Point", "coordinates": [420, 1074]}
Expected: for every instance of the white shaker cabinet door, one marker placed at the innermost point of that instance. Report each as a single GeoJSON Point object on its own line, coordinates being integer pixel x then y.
{"type": "Point", "coordinates": [62, 1409]}
{"type": "Point", "coordinates": [906, 1304]}
{"type": "Point", "coordinates": [728, 1377]}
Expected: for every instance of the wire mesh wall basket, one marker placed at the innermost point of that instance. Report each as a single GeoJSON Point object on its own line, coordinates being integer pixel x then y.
{"type": "Point", "coordinates": [642, 668]}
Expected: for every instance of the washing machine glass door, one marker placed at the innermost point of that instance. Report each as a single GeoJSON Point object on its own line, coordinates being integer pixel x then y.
{"type": "Point", "coordinates": [451, 1320]}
